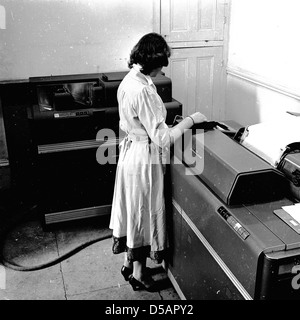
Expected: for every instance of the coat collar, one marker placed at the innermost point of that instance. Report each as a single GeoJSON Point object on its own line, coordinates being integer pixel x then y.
{"type": "Point", "coordinates": [136, 73]}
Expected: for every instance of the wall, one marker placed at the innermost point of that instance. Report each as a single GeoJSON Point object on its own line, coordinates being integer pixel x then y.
{"type": "Point", "coordinates": [263, 78]}
{"type": "Point", "coordinates": [44, 37]}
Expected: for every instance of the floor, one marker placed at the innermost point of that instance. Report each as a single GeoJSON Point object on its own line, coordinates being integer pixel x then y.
{"type": "Point", "coordinates": [91, 274]}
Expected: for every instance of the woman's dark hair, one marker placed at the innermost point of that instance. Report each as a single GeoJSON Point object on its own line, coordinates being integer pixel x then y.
{"type": "Point", "coordinates": [151, 52]}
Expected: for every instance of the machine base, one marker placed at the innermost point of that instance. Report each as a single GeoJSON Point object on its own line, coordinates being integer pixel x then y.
{"type": "Point", "coordinates": [57, 217]}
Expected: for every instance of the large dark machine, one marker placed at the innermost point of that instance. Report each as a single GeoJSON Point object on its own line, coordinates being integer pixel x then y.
{"type": "Point", "coordinates": [229, 237]}
{"type": "Point", "coordinates": [53, 126]}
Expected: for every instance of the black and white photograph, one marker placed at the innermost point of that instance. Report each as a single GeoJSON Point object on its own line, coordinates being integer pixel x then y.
{"type": "Point", "coordinates": [149, 153]}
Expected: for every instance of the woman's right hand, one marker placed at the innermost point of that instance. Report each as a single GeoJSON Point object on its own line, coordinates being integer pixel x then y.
{"type": "Point", "coordinates": [198, 117]}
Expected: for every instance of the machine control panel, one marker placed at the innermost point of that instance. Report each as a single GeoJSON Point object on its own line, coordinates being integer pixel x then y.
{"type": "Point", "coordinates": [239, 229]}
{"type": "Point", "coordinates": [73, 114]}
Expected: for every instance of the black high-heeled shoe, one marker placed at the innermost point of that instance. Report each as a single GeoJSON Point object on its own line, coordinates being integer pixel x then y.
{"type": "Point", "coordinates": [126, 272]}
{"type": "Point", "coordinates": [138, 285]}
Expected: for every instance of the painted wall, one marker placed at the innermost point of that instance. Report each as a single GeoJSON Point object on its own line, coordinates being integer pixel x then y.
{"type": "Point", "coordinates": [53, 37]}
{"type": "Point", "coordinates": [263, 69]}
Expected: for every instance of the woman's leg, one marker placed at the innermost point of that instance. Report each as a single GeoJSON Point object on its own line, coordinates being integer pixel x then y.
{"type": "Point", "coordinates": [127, 264]}
{"type": "Point", "coordinates": [139, 269]}
{"type": "Point", "coordinates": [139, 273]}
{"type": "Point", "coordinates": [127, 267]}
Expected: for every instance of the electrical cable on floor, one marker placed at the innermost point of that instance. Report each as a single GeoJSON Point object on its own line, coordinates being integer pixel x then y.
{"type": "Point", "coordinates": [29, 214]}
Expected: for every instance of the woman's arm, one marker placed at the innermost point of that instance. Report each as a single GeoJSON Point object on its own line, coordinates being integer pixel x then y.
{"type": "Point", "coordinates": [185, 124]}
{"type": "Point", "coordinates": [150, 114]}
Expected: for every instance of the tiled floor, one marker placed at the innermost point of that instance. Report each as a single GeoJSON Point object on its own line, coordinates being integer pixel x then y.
{"type": "Point", "coordinates": [91, 274]}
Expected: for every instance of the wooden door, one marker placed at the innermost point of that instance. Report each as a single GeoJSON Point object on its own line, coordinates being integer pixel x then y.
{"type": "Point", "coordinates": [196, 32]}
{"type": "Point", "coordinates": [196, 75]}
{"type": "Point", "coordinates": [192, 20]}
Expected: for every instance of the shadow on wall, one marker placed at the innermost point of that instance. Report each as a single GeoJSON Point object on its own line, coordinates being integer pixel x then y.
{"type": "Point", "coordinates": [248, 103]}
{"type": "Point", "coordinates": [241, 102]}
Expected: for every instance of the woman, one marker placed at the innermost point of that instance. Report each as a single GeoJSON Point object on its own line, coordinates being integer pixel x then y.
{"type": "Point", "coordinates": [138, 208]}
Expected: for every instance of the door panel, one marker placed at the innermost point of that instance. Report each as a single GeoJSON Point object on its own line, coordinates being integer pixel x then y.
{"type": "Point", "coordinates": [196, 75]}
{"type": "Point", "coordinates": [192, 20]}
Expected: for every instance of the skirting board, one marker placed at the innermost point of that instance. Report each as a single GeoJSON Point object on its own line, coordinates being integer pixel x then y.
{"type": "Point", "coordinates": [173, 281]}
